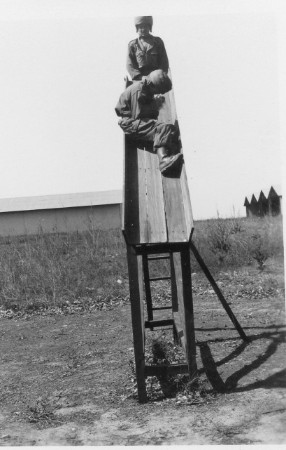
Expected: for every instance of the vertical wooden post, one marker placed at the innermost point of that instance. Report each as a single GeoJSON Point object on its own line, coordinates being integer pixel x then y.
{"type": "Point", "coordinates": [137, 313]}
{"type": "Point", "coordinates": [182, 276]}
{"type": "Point", "coordinates": [189, 311]}
{"type": "Point", "coordinates": [174, 296]}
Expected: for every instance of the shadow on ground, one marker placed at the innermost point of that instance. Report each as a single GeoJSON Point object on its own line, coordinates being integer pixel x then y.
{"type": "Point", "coordinates": [210, 366]}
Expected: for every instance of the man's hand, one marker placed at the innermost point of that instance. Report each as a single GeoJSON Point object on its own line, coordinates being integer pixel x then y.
{"type": "Point", "coordinates": [159, 99]}
{"type": "Point", "coordinates": [126, 120]}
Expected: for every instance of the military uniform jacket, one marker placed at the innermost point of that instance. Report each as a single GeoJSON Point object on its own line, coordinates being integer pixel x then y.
{"type": "Point", "coordinates": [142, 61]}
{"type": "Point", "coordinates": [130, 106]}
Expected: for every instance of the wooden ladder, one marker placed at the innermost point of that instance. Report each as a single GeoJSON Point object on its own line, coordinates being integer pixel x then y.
{"type": "Point", "coordinates": [182, 320]}
{"type": "Point", "coordinates": [147, 283]}
{"type": "Point", "coordinates": [181, 307]}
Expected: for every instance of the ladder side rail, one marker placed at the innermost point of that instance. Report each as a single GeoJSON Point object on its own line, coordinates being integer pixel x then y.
{"type": "Point", "coordinates": [148, 295]}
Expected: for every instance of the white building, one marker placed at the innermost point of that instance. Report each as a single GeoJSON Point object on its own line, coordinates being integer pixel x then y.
{"type": "Point", "coordinates": [60, 213]}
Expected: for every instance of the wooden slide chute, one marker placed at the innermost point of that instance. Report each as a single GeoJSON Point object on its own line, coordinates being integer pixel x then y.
{"type": "Point", "coordinates": [156, 209]}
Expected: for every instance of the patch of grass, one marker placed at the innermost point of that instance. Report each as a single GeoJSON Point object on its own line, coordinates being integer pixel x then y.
{"type": "Point", "coordinates": [231, 243]}
{"type": "Point", "coordinates": [160, 350]}
{"type": "Point", "coordinates": [259, 250]}
{"type": "Point", "coordinates": [42, 413]}
{"type": "Point", "coordinates": [63, 271]}
{"type": "Point", "coordinates": [219, 234]}
{"type": "Point", "coordinates": [67, 273]}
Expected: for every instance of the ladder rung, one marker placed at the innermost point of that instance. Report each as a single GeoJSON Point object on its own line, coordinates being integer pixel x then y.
{"type": "Point", "coordinates": [154, 258]}
{"type": "Point", "coordinates": [170, 369]}
{"type": "Point", "coordinates": [159, 278]}
{"type": "Point", "coordinates": [161, 307]}
{"type": "Point", "coordinates": [159, 323]}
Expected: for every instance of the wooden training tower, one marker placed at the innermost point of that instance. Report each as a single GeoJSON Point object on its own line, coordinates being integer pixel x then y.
{"type": "Point", "coordinates": [157, 224]}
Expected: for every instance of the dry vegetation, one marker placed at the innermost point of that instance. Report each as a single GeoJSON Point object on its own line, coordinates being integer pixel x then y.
{"type": "Point", "coordinates": [64, 273]}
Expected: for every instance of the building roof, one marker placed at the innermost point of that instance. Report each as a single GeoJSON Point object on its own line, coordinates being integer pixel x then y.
{"type": "Point", "coordinates": [60, 201]}
{"type": "Point", "coordinates": [254, 198]}
{"type": "Point", "coordinates": [264, 193]}
{"type": "Point", "coordinates": [275, 191]}
{"type": "Point", "coordinates": [262, 197]}
{"type": "Point", "coordinates": [277, 188]}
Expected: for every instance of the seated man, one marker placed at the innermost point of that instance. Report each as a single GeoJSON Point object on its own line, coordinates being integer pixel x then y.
{"type": "Point", "coordinates": [138, 112]}
{"type": "Point", "coordinates": [147, 52]}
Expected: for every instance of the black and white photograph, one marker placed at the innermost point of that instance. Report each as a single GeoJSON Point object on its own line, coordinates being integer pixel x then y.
{"type": "Point", "coordinates": [142, 194]}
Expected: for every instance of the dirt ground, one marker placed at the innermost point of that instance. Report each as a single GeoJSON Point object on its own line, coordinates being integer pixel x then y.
{"type": "Point", "coordinates": [67, 379]}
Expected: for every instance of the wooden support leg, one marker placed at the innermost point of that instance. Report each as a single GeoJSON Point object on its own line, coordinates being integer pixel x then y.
{"type": "Point", "coordinates": [174, 297]}
{"type": "Point", "coordinates": [189, 311]}
{"type": "Point", "coordinates": [137, 313]}
{"type": "Point", "coordinates": [218, 292]}
{"type": "Point", "coordinates": [182, 267]}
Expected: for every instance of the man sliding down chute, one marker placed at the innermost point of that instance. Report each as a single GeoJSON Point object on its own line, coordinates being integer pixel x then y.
{"type": "Point", "coordinates": [137, 106]}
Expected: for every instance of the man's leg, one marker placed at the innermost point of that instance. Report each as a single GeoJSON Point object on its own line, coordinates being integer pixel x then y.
{"type": "Point", "coordinates": [162, 135]}
{"type": "Point", "coordinates": [166, 146]}
{"type": "Point", "coordinates": [140, 129]}
{"type": "Point", "coordinates": [168, 163]}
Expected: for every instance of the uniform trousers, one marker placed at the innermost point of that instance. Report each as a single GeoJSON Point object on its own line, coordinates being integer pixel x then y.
{"type": "Point", "coordinates": [150, 130]}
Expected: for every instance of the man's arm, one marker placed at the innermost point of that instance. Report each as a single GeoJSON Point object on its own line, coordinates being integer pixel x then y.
{"type": "Point", "coordinates": [132, 66]}
{"type": "Point", "coordinates": [123, 107]}
{"type": "Point", "coordinates": [164, 62]}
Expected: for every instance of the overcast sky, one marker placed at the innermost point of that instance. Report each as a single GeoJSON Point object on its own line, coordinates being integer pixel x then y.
{"type": "Point", "coordinates": [62, 70]}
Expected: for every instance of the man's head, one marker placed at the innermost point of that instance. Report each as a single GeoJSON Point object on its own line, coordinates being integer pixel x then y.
{"type": "Point", "coordinates": [143, 25]}
{"type": "Point", "coordinates": [159, 82]}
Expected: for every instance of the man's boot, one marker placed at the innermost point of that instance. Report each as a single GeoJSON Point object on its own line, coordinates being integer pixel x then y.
{"type": "Point", "coordinates": [168, 163]}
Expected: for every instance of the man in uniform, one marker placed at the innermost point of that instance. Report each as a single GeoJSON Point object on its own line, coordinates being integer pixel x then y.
{"type": "Point", "coordinates": [146, 53]}
{"type": "Point", "coordinates": [138, 112]}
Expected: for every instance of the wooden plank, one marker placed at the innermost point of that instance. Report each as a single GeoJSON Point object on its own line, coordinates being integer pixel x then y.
{"type": "Point", "coordinates": [176, 291]}
{"type": "Point", "coordinates": [159, 257]}
{"type": "Point", "coordinates": [179, 286]}
{"type": "Point", "coordinates": [172, 369]}
{"type": "Point", "coordinates": [184, 318]}
{"type": "Point", "coordinates": [123, 206]}
{"type": "Point", "coordinates": [172, 106]}
{"type": "Point", "coordinates": [131, 195]}
{"type": "Point", "coordinates": [174, 299]}
{"type": "Point", "coordinates": [157, 231]}
{"type": "Point", "coordinates": [159, 323]}
{"type": "Point", "coordinates": [160, 308]}
{"type": "Point", "coordinates": [188, 312]}
{"type": "Point", "coordinates": [160, 248]}
{"type": "Point", "coordinates": [156, 209]}
{"type": "Point", "coordinates": [179, 329]}
{"type": "Point", "coordinates": [137, 315]}
{"type": "Point", "coordinates": [174, 208]}
{"type": "Point", "coordinates": [179, 219]}
{"type": "Point", "coordinates": [144, 215]}
{"type": "Point", "coordinates": [187, 203]}
{"type": "Point", "coordinates": [142, 192]}
{"type": "Point", "coordinates": [148, 295]}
